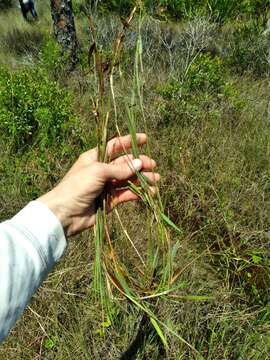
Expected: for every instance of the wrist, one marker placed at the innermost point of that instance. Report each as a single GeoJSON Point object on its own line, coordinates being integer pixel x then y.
{"type": "Point", "coordinates": [51, 200]}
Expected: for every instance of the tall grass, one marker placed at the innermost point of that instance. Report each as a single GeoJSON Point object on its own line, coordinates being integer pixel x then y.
{"type": "Point", "coordinates": [154, 277]}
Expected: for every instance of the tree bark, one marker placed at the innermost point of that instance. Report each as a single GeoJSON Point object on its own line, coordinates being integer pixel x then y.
{"type": "Point", "coordinates": [64, 28]}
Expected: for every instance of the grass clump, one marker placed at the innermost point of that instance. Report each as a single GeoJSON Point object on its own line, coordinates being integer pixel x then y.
{"type": "Point", "coordinates": [152, 275]}
{"type": "Point", "coordinates": [23, 41]}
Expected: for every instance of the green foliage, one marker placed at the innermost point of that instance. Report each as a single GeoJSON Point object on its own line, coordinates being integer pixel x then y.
{"type": "Point", "coordinates": [224, 10]}
{"type": "Point", "coordinates": [51, 59]}
{"type": "Point", "coordinates": [120, 6]}
{"type": "Point", "coordinates": [34, 110]}
{"type": "Point", "coordinates": [206, 73]}
{"type": "Point", "coordinates": [78, 7]}
{"type": "Point", "coordinates": [205, 83]}
{"type": "Point", "coordinates": [254, 6]}
{"type": "Point", "coordinates": [248, 49]}
{"type": "Point", "coordinates": [50, 342]}
{"type": "Point", "coordinates": [221, 10]}
{"type": "Point", "coordinates": [179, 9]}
{"type": "Point", "coordinates": [170, 90]}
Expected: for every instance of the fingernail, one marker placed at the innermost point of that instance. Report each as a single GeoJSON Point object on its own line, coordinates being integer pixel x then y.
{"type": "Point", "coordinates": [136, 164]}
{"type": "Point", "coordinates": [152, 190]}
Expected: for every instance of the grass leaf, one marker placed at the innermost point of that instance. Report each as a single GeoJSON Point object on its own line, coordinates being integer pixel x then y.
{"type": "Point", "coordinates": [159, 332]}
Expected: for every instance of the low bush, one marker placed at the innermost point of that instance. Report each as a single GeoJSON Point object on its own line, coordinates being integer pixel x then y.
{"type": "Point", "coordinates": [206, 93]}
{"type": "Point", "coordinates": [248, 49]}
{"type": "Point", "coordinates": [34, 110]}
{"type": "Point", "coordinates": [206, 73]}
{"type": "Point", "coordinates": [51, 58]}
{"type": "Point", "coordinates": [254, 7]}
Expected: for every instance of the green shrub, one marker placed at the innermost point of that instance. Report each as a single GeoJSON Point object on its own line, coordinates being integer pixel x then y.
{"type": "Point", "coordinates": [254, 7]}
{"type": "Point", "coordinates": [206, 73]}
{"type": "Point", "coordinates": [51, 59]}
{"type": "Point", "coordinates": [219, 9]}
{"type": "Point", "coordinates": [206, 94]}
{"type": "Point", "coordinates": [34, 110]}
{"type": "Point", "coordinates": [170, 90]}
{"type": "Point", "coordinates": [178, 9]}
{"type": "Point", "coordinates": [247, 49]}
{"type": "Point", "coordinates": [222, 9]}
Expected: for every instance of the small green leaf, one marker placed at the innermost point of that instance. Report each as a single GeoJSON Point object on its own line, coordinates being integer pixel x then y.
{"type": "Point", "coordinates": [256, 259]}
{"type": "Point", "coordinates": [49, 343]}
{"type": "Point", "coordinates": [100, 332]}
{"type": "Point", "coordinates": [169, 222]}
{"type": "Point", "coordinates": [106, 324]}
{"type": "Point", "coordinates": [159, 332]}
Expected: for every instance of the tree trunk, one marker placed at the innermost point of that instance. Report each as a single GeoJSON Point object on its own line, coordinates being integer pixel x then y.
{"type": "Point", "coordinates": [64, 28]}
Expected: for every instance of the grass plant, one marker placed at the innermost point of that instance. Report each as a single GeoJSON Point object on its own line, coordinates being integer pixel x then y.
{"type": "Point", "coordinates": [155, 279]}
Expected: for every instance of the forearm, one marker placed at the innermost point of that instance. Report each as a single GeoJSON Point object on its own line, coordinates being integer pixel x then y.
{"type": "Point", "coordinates": [30, 245]}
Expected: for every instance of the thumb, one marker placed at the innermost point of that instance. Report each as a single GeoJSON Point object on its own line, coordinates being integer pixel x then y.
{"type": "Point", "coordinates": [123, 171]}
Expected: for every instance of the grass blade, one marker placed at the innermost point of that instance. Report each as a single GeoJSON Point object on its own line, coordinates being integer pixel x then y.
{"type": "Point", "coordinates": [159, 332]}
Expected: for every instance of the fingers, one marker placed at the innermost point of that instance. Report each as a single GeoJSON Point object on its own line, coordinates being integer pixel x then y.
{"type": "Point", "coordinates": [114, 147]}
{"type": "Point", "coordinates": [123, 143]}
{"type": "Point", "coordinates": [122, 196]}
{"type": "Point", "coordinates": [121, 172]}
{"type": "Point", "coordinates": [148, 164]}
{"type": "Point", "coordinates": [122, 159]}
{"type": "Point", "coordinates": [123, 169]}
{"type": "Point", "coordinates": [152, 178]}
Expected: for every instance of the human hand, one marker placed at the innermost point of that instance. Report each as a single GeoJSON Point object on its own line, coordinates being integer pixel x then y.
{"type": "Point", "coordinates": [73, 200]}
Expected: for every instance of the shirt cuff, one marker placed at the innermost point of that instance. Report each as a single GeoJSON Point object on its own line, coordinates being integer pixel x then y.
{"type": "Point", "coordinates": [37, 219]}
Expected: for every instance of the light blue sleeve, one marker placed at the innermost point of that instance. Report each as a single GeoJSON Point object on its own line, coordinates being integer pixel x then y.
{"type": "Point", "coordinates": [30, 245]}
